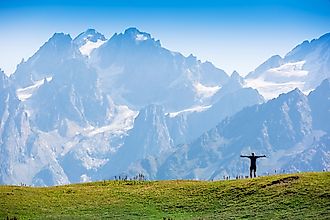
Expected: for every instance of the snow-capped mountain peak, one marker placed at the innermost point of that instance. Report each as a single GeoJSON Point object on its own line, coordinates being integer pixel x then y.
{"type": "Point", "coordinates": [304, 67]}
{"type": "Point", "coordinates": [89, 40]}
{"type": "Point", "coordinates": [136, 34]}
{"type": "Point", "coordinates": [133, 36]}
{"type": "Point", "coordinates": [89, 35]}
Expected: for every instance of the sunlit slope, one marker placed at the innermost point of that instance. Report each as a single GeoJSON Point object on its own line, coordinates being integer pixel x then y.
{"type": "Point", "coordinates": [292, 196]}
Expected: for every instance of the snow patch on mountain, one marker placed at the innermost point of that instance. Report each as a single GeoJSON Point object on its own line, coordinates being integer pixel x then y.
{"type": "Point", "coordinates": [270, 90]}
{"type": "Point", "coordinates": [304, 67]}
{"type": "Point", "coordinates": [137, 35]}
{"type": "Point", "coordinates": [190, 110]}
{"type": "Point", "coordinates": [280, 80]}
{"type": "Point", "coordinates": [141, 37]}
{"type": "Point", "coordinates": [25, 93]}
{"type": "Point", "coordinates": [205, 91]}
{"type": "Point", "coordinates": [89, 46]}
{"type": "Point", "coordinates": [122, 122]}
{"type": "Point", "coordinates": [289, 70]}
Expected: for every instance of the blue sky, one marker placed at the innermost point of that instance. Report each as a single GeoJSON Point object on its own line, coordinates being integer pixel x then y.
{"type": "Point", "coordinates": [232, 34]}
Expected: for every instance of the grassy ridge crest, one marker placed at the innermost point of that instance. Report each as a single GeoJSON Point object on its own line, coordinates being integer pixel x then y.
{"type": "Point", "coordinates": [290, 196]}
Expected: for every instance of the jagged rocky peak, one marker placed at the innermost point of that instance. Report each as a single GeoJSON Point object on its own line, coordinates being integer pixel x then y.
{"type": "Point", "coordinates": [58, 44]}
{"type": "Point", "coordinates": [192, 57]}
{"type": "Point", "coordinates": [301, 51]}
{"type": "Point", "coordinates": [272, 62]}
{"type": "Point", "coordinates": [274, 59]}
{"type": "Point", "coordinates": [235, 76]}
{"type": "Point", "coordinates": [136, 34]}
{"type": "Point", "coordinates": [59, 39]}
{"type": "Point", "coordinates": [133, 35]}
{"type": "Point", "coordinates": [306, 48]}
{"type": "Point", "coordinates": [292, 95]}
{"type": "Point", "coordinates": [58, 47]}
{"type": "Point", "coordinates": [211, 75]}
{"type": "Point", "coordinates": [46, 61]}
{"type": "Point", "coordinates": [192, 60]}
{"type": "Point", "coordinates": [234, 83]}
{"type": "Point", "coordinates": [323, 39]}
{"type": "Point", "coordinates": [90, 35]}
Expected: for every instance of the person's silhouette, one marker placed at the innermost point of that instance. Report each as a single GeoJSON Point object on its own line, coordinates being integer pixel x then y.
{"type": "Point", "coordinates": [253, 164]}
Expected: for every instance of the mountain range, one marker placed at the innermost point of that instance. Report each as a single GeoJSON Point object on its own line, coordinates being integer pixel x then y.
{"type": "Point", "coordinates": [90, 108]}
{"type": "Point", "coordinates": [304, 67]}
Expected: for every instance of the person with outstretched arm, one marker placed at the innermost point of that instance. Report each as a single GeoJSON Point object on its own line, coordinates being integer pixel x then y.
{"type": "Point", "coordinates": [253, 163]}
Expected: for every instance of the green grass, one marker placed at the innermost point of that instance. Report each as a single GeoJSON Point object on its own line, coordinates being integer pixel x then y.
{"type": "Point", "coordinates": [292, 196]}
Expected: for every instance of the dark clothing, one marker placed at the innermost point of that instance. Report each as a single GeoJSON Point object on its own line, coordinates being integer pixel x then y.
{"type": "Point", "coordinates": [253, 160]}
{"type": "Point", "coordinates": [253, 164]}
{"type": "Point", "coordinates": [253, 167]}
{"type": "Point", "coordinates": [253, 171]}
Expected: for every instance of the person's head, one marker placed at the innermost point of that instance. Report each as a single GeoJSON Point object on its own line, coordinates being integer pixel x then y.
{"type": "Point", "coordinates": [252, 154]}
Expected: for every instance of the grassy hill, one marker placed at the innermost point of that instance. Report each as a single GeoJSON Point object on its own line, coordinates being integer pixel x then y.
{"type": "Point", "coordinates": [292, 196]}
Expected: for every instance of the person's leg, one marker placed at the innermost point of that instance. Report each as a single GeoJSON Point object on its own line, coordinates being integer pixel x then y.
{"type": "Point", "coordinates": [252, 172]}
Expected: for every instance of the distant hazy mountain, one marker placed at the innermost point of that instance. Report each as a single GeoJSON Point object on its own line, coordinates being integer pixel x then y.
{"type": "Point", "coordinates": [149, 137]}
{"type": "Point", "coordinates": [315, 156]}
{"type": "Point", "coordinates": [23, 154]}
{"type": "Point", "coordinates": [286, 129]}
{"type": "Point", "coordinates": [231, 98]}
{"type": "Point", "coordinates": [136, 70]}
{"type": "Point", "coordinates": [305, 67]}
{"type": "Point", "coordinates": [71, 94]}
{"type": "Point", "coordinates": [75, 119]}
{"type": "Point", "coordinates": [89, 108]}
{"type": "Point", "coordinates": [46, 61]}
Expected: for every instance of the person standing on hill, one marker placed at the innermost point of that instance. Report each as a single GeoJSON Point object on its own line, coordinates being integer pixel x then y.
{"type": "Point", "coordinates": [253, 163]}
